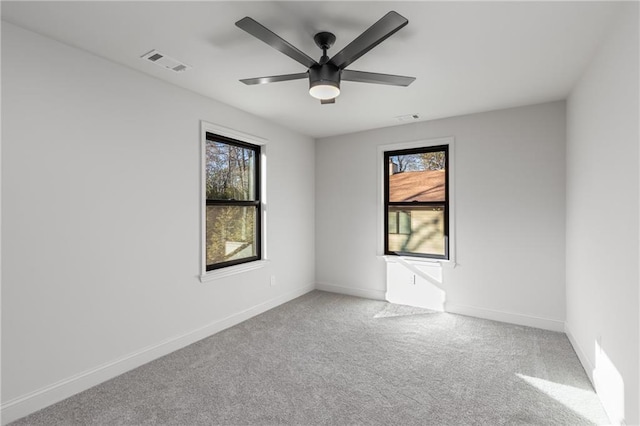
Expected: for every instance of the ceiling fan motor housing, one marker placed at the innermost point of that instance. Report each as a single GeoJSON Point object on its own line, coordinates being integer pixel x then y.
{"type": "Point", "coordinates": [325, 75]}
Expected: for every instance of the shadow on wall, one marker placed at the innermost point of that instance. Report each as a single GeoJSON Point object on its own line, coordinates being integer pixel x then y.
{"type": "Point", "coordinates": [415, 283]}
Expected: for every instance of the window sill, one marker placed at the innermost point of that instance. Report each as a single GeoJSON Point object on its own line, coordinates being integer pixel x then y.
{"type": "Point", "coordinates": [232, 270]}
{"type": "Point", "coordinates": [418, 261]}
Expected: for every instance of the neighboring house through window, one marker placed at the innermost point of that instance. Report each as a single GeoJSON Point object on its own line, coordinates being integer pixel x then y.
{"type": "Point", "coordinates": [400, 222]}
{"type": "Point", "coordinates": [416, 202]}
{"type": "Point", "coordinates": [233, 207]}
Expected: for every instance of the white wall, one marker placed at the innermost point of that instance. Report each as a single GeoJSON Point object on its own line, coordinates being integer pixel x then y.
{"type": "Point", "coordinates": [510, 212]}
{"type": "Point", "coordinates": [101, 220]}
{"type": "Point", "coordinates": [602, 218]}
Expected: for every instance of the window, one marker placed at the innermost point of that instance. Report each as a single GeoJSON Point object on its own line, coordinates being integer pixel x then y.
{"type": "Point", "coordinates": [416, 202]}
{"type": "Point", "coordinates": [233, 208]}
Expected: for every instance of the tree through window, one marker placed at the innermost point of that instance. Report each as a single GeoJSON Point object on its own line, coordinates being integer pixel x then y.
{"type": "Point", "coordinates": [233, 202]}
{"type": "Point", "coordinates": [417, 202]}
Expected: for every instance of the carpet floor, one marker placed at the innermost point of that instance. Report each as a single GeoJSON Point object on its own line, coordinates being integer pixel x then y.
{"type": "Point", "coordinates": [336, 360]}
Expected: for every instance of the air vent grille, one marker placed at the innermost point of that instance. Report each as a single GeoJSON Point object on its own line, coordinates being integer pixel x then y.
{"type": "Point", "coordinates": [408, 117]}
{"type": "Point", "coordinates": [165, 61]}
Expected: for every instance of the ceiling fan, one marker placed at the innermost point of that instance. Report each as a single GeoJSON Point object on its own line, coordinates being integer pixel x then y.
{"type": "Point", "coordinates": [325, 75]}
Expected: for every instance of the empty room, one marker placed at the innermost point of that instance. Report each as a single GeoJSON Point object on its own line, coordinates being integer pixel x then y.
{"type": "Point", "coordinates": [300, 212]}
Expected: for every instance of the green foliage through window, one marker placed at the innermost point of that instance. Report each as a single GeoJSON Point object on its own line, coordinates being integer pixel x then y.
{"type": "Point", "coordinates": [229, 172]}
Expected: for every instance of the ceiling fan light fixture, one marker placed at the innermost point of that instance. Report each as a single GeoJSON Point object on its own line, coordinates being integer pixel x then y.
{"type": "Point", "coordinates": [324, 90]}
{"type": "Point", "coordinates": [324, 81]}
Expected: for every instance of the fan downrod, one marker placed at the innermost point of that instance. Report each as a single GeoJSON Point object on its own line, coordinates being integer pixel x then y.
{"type": "Point", "coordinates": [324, 40]}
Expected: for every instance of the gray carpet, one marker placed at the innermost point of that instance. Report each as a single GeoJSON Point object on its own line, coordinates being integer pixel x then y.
{"type": "Point", "coordinates": [331, 359]}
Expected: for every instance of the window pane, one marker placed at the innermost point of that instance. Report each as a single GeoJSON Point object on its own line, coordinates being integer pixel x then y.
{"type": "Point", "coordinates": [424, 228]}
{"type": "Point", "coordinates": [404, 222]}
{"type": "Point", "coordinates": [393, 222]}
{"type": "Point", "coordinates": [231, 233]}
{"type": "Point", "coordinates": [230, 172]}
{"type": "Point", "coordinates": [417, 177]}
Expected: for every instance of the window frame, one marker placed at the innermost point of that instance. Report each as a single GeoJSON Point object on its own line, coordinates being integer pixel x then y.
{"type": "Point", "coordinates": [410, 204]}
{"type": "Point", "coordinates": [243, 140]}
{"type": "Point", "coordinates": [383, 173]}
{"type": "Point", "coordinates": [255, 202]}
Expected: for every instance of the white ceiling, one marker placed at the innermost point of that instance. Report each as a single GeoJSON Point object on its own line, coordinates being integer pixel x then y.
{"type": "Point", "coordinates": [467, 56]}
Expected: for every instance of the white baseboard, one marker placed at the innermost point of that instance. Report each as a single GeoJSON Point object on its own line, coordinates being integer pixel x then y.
{"type": "Point", "coordinates": [508, 317]}
{"type": "Point", "coordinates": [604, 389]}
{"type": "Point", "coordinates": [586, 364]}
{"type": "Point", "coordinates": [41, 398]}
{"type": "Point", "coordinates": [366, 293]}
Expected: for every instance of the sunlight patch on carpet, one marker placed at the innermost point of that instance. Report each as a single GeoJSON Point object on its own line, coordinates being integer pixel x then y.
{"type": "Point", "coordinates": [577, 400]}
{"type": "Point", "coordinates": [394, 310]}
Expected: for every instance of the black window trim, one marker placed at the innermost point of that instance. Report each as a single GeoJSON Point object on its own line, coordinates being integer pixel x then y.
{"type": "Point", "coordinates": [387, 203]}
{"type": "Point", "coordinates": [256, 202]}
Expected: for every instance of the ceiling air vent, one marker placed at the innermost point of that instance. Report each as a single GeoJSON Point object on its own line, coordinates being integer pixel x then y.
{"type": "Point", "coordinates": [165, 61]}
{"type": "Point", "coordinates": [407, 118]}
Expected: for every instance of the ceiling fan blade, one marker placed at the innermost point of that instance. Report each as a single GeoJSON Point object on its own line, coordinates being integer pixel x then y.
{"type": "Point", "coordinates": [327, 101]}
{"type": "Point", "coordinates": [373, 77]}
{"type": "Point", "coordinates": [275, 78]}
{"type": "Point", "coordinates": [388, 25]}
{"type": "Point", "coordinates": [272, 39]}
